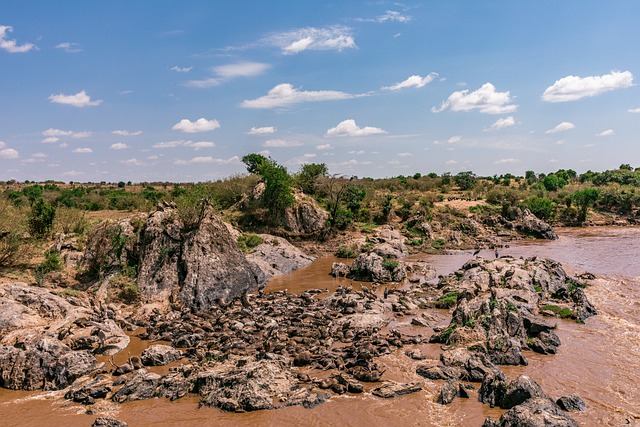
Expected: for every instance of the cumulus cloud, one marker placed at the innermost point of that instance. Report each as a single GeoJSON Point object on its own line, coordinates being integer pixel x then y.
{"type": "Point", "coordinates": [53, 135]}
{"type": "Point", "coordinates": [181, 69]}
{"type": "Point", "coordinates": [310, 38]}
{"type": "Point", "coordinates": [262, 130]}
{"type": "Point", "coordinates": [200, 125]}
{"type": "Point", "coordinates": [9, 153]}
{"type": "Point", "coordinates": [450, 162]}
{"type": "Point", "coordinates": [608, 132]}
{"type": "Point", "coordinates": [506, 161]}
{"type": "Point", "coordinates": [132, 162]}
{"type": "Point", "coordinates": [83, 150]}
{"type": "Point", "coordinates": [39, 155]}
{"type": "Point", "coordinates": [185, 143]}
{"type": "Point", "coordinates": [284, 95]}
{"type": "Point", "coordinates": [563, 126]}
{"type": "Point", "coordinates": [413, 81]}
{"type": "Point", "coordinates": [127, 133]}
{"type": "Point", "coordinates": [69, 47]}
{"type": "Point", "coordinates": [486, 100]}
{"type": "Point", "coordinates": [281, 143]}
{"type": "Point", "coordinates": [12, 46]}
{"type": "Point", "coordinates": [633, 110]}
{"type": "Point", "coordinates": [209, 160]}
{"type": "Point", "coordinates": [324, 147]}
{"type": "Point", "coordinates": [224, 73]}
{"type": "Point", "coordinates": [572, 88]}
{"type": "Point", "coordinates": [80, 100]}
{"type": "Point", "coordinates": [305, 158]}
{"type": "Point", "coordinates": [405, 154]}
{"type": "Point", "coordinates": [503, 123]}
{"type": "Point", "coordinates": [454, 139]}
{"type": "Point", "coordinates": [119, 146]}
{"type": "Point", "coordinates": [350, 128]}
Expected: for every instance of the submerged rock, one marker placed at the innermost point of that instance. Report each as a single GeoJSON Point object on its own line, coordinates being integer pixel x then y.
{"type": "Point", "coordinates": [159, 354]}
{"type": "Point", "coordinates": [534, 412]}
{"type": "Point", "coordinates": [390, 389]}
{"type": "Point", "coordinates": [570, 403]}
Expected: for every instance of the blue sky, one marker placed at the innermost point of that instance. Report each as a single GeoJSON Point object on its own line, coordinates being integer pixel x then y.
{"type": "Point", "coordinates": [180, 91]}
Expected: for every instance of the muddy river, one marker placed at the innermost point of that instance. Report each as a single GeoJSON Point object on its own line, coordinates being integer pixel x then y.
{"type": "Point", "coordinates": [598, 360]}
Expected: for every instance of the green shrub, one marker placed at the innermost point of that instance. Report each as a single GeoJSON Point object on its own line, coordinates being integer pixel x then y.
{"type": "Point", "coordinates": [390, 264]}
{"type": "Point", "coordinates": [246, 242]}
{"type": "Point", "coordinates": [41, 218]}
{"type": "Point", "coordinates": [447, 300]}
{"type": "Point", "coordinates": [562, 312]}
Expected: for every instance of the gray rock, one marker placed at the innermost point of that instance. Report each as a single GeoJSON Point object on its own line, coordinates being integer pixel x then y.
{"type": "Point", "coordinates": [391, 389]}
{"type": "Point", "coordinates": [339, 269]}
{"type": "Point", "coordinates": [371, 267]}
{"type": "Point", "coordinates": [275, 256]}
{"type": "Point", "coordinates": [142, 385]}
{"type": "Point", "coordinates": [159, 355]}
{"type": "Point", "coordinates": [534, 412]}
{"type": "Point", "coordinates": [448, 392]}
{"type": "Point", "coordinates": [108, 422]}
{"type": "Point", "coordinates": [519, 390]}
{"type": "Point", "coordinates": [530, 224]}
{"type": "Point", "coordinates": [571, 403]}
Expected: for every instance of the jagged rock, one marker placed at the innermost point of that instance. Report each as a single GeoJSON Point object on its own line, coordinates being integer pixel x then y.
{"type": "Point", "coordinates": [390, 389]}
{"type": "Point", "coordinates": [419, 272]}
{"type": "Point", "coordinates": [142, 385]}
{"type": "Point", "coordinates": [339, 269]}
{"type": "Point", "coordinates": [448, 392]}
{"type": "Point", "coordinates": [159, 354]}
{"type": "Point", "coordinates": [108, 422]}
{"type": "Point", "coordinates": [305, 217]}
{"type": "Point", "coordinates": [439, 372]}
{"type": "Point", "coordinates": [529, 224]}
{"type": "Point", "coordinates": [275, 256]}
{"type": "Point", "coordinates": [389, 243]}
{"type": "Point", "coordinates": [371, 267]}
{"type": "Point", "coordinates": [88, 390]}
{"type": "Point", "coordinates": [534, 412]}
{"type": "Point", "coordinates": [493, 388]}
{"type": "Point", "coordinates": [571, 403]}
{"type": "Point", "coordinates": [519, 390]}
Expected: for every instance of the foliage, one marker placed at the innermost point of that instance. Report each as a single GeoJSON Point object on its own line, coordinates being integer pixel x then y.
{"type": "Point", "coordinates": [562, 312]}
{"type": "Point", "coordinates": [543, 208]}
{"type": "Point", "coordinates": [345, 252]}
{"type": "Point", "coordinates": [584, 199]}
{"type": "Point", "coordinates": [553, 182]}
{"type": "Point", "coordinates": [254, 162]}
{"type": "Point", "coordinates": [277, 191]}
{"type": "Point", "coordinates": [447, 300]}
{"type": "Point", "coordinates": [248, 241]}
{"type": "Point", "coordinates": [41, 218]}
{"type": "Point", "coordinates": [307, 178]}
{"type": "Point", "coordinates": [465, 180]}
{"type": "Point", "coordinates": [390, 264]}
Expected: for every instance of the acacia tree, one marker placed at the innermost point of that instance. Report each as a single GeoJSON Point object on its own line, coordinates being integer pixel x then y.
{"type": "Point", "coordinates": [584, 199]}
{"type": "Point", "coordinates": [277, 192]}
{"type": "Point", "coordinates": [308, 176]}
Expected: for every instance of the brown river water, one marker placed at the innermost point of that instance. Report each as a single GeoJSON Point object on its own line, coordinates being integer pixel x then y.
{"type": "Point", "coordinates": [598, 360]}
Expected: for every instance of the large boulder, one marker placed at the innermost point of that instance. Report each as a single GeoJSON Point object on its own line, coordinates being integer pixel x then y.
{"type": "Point", "coordinates": [371, 267]}
{"type": "Point", "coordinates": [305, 217]}
{"type": "Point", "coordinates": [275, 256]}
{"type": "Point", "coordinates": [159, 355]}
{"type": "Point", "coordinates": [529, 224]}
{"type": "Point", "coordinates": [534, 412]}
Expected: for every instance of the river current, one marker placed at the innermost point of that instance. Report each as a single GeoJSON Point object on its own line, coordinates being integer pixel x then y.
{"type": "Point", "coordinates": [598, 360]}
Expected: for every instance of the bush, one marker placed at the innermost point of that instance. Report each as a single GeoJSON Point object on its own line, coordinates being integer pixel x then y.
{"type": "Point", "coordinates": [541, 207]}
{"type": "Point", "coordinates": [246, 242]}
{"type": "Point", "coordinates": [345, 252]}
{"type": "Point", "coordinates": [11, 248]}
{"type": "Point", "coordinates": [41, 218]}
{"type": "Point", "coordinates": [390, 264]}
{"type": "Point", "coordinates": [447, 301]}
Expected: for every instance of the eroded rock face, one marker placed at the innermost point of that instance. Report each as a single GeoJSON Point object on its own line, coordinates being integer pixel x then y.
{"type": "Point", "coordinates": [275, 256]}
{"type": "Point", "coordinates": [529, 224]}
{"type": "Point", "coordinates": [159, 355]}
{"type": "Point", "coordinates": [371, 267]}
{"type": "Point", "coordinates": [305, 217]}
{"type": "Point", "coordinates": [534, 412]}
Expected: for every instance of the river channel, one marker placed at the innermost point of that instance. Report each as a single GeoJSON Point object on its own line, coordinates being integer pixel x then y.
{"type": "Point", "coordinates": [598, 360]}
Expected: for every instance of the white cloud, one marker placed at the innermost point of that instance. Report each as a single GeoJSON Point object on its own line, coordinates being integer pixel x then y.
{"type": "Point", "coordinates": [281, 143]}
{"type": "Point", "coordinates": [185, 143]}
{"type": "Point", "coordinates": [224, 73]}
{"type": "Point", "coordinates": [505, 161]}
{"type": "Point", "coordinates": [83, 150]}
{"type": "Point", "coordinates": [413, 81]}
{"type": "Point", "coordinates": [200, 125]}
{"type": "Point", "coordinates": [389, 16]}
{"type": "Point", "coordinates": [572, 88]}
{"type": "Point", "coordinates": [80, 100]}
{"type": "Point", "coordinates": [450, 162]}
{"type": "Point", "coordinates": [39, 155]}
{"type": "Point", "coordinates": [561, 127]}
{"type": "Point", "coordinates": [54, 135]}
{"type": "Point", "coordinates": [127, 133]}
{"type": "Point", "coordinates": [633, 110]}
{"type": "Point", "coordinates": [71, 173]}
{"type": "Point", "coordinates": [284, 95]}
{"type": "Point", "coordinates": [262, 130]}
{"type": "Point", "coordinates": [356, 152]}
{"type": "Point", "coordinates": [349, 128]}
{"type": "Point", "coordinates": [305, 158]}
{"type": "Point", "coordinates": [210, 160]}
{"type": "Point", "coordinates": [9, 153]}
{"type": "Point", "coordinates": [119, 146]}
{"type": "Point", "coordinates": [132, 162]}
{"type": "Point", "coordinates": [454, 139]}
{"type": "Point", "coordinates": [181, 69]}
{"type": "Point", "coordinates": [69, 47]}
{"type": "Point", "coordinates": [405, 154]}
{"type": "Point", "coordinates": [12, 46]}
{"type": "Point", "coordinates": [324, 147]}
{"type": "Point", "coordinates": [608, 132]}
{"type": "Point", "coordinates": [311, 38]}
{"type": "Point", "coordinates": [503, 123]}
{"type": "Point", "coordinates": [486, 100]}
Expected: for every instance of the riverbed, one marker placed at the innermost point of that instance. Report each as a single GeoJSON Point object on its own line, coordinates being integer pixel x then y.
{"type": "Point", "coordinates": [598, 360]}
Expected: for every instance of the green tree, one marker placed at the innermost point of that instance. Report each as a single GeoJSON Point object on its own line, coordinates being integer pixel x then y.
{"type": "Point", "coordinates": [585, 199]}
{"type": "Point", "coordinates": [307, 177]}
{"type": "Point", "coordinates": [277, 192]}
{"type": "Point", "coordinates": [552, 182]}
{"type": "Point", "coordinates": [254, 161]}
{"type": "Point", "coordinates": [41, 218]}
{"type": "Point", "coordinates": [465, 180]}
{"type": "Point", "coordinates": [541, 207]}
{"type": "Point", "coordinates": [626, 166]}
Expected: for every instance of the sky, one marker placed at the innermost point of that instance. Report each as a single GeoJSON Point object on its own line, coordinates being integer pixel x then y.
{"type": "Point", "coordinates": [180, 91]}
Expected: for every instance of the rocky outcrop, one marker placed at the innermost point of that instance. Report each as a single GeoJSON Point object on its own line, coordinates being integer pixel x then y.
{"type": "Point", "coordinates": [142, 385]}
{"type": "Point", "coordinates": [47, 342]}
{"type": "Point", "coordinates": [275, 256]}
{"type": "Point", "coordinates": [390, 389]}
{"type": "Point", "coordinates": [371, 267]}
{"type": "Point", "coordinates": [194, 265]}
{"type": "Point", "coordinates": [305, 217]}
{"type": "Point", "coordinates": [108, 422]}
{"type": "Point", "coordinates": [159, 355]}
{"type": "Point", "coordinates": [571, 403]}
{"type": "Point", "coordinates": [534, 412]}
